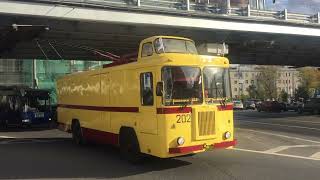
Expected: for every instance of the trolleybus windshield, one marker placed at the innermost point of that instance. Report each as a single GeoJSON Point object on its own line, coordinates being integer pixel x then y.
{"type": "Point", "coordinates": [182, 85]}
{"type": "Point", "coordinates": [216, 84]}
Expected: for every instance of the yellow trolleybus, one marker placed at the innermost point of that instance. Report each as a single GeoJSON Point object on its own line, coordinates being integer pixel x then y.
{"type": "Point", "coordinates": [169, 102]}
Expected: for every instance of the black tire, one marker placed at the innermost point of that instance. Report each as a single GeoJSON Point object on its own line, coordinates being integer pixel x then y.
{"type": "Point", "coordinates": [300, 110]}
{"type": "Point", "coordinates": [129, 146]}
{"type": "Point", "coordinates": [77, 135]}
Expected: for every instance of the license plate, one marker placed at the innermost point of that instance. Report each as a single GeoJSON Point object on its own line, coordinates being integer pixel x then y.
{"type": "Point", "coordinates": [39, 115]}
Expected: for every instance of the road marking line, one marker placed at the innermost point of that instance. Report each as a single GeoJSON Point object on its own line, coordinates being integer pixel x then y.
{"type": "Point", "coordinates": [311, 122]}
{"type": "Point", "coordinates": [279, 135]}
{"type": "Point", "coordinates": [273, 124]}
{"type": "Point", "coordinates": [7, 137]}
{"type": "Point", "coordinates": [276, 154]}
{"type": "Point", "coordinates": [277, 149]}
{"type": "Point", "coordinates": [281, 148]}
{"type": "Point", "coordinates": [315, 155]}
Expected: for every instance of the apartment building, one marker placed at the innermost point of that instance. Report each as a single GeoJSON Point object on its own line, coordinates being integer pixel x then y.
{"type": "Point", "coordinates": [242, 76]}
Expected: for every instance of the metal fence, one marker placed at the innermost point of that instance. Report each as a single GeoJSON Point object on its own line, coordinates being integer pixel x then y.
{"type": "Point", "coordinates": [203, 7]}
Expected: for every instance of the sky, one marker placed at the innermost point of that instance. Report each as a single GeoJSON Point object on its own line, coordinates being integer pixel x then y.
{"type": "Point", "coordinates": [297, 6]}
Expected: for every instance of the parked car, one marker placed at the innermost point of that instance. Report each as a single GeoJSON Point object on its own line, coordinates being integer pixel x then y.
{"type": "Point", "coordinates": [237, 105]}
{"type": "Point", "coordinates": [312, 105]}
{"type": "Point", "coordinates": [292, 106]}
{"type": "Point", "coordinates": [271, 106]}
{"type": "Point", "coordinates": [249, 105]}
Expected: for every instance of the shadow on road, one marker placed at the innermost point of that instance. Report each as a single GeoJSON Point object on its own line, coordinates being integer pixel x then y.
{"type": "Point", "coordinates": [269, 115]}
{"type": "Point", "coordinates": [41, 127]}
{"type": "Point", "coordinates": [63, 159]}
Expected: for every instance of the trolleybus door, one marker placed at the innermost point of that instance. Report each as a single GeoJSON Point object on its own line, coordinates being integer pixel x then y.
{"type": "Point", "coordinates": [147, 110]}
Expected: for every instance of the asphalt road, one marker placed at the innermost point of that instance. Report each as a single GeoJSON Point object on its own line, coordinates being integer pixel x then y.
{"type": "Point", "coordinates": [271, 146]}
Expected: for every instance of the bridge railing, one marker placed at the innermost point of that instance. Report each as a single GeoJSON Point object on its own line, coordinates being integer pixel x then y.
{"type": "Point", "coordinates": [203, 7]}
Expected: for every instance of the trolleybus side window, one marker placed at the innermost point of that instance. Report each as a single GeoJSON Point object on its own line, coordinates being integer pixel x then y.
{"type": "Point", "coordinates": [147, 50]}
{"type": "Point", "coordinates": [146, 89]}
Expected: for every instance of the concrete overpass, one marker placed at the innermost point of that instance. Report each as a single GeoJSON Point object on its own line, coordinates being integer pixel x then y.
{"type": "Point", "coordinates": [77, 29]}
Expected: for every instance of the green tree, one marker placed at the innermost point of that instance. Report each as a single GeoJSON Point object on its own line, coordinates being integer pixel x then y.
{"type": "Point", "coordinates": [302, 92]}
{"type": "Point", "coordinates": [252, 91]}
{"type": "Point", "coordinates": [244, 97]}
{"type": "Point", "coordinates": [284, 96]}
{"type": "Point", "coordinates": [266, 83]}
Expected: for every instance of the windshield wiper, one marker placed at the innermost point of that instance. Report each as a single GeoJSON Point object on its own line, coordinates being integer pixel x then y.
{"type": "Point", "coordinates": [223, 101]}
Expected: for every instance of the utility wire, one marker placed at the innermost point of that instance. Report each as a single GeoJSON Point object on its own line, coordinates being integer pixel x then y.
{"type": "Point", "coordinates": [41, 49]}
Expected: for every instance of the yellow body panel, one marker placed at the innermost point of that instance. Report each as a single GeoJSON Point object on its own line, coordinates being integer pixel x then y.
{"type": "Point", "coordinates": [119, 86]}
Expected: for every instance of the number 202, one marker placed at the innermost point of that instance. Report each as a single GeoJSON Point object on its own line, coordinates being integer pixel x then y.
{"type": "Point", "coordinates": [183, 118]}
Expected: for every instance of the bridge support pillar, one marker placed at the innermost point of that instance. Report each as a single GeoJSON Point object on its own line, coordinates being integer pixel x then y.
{"type": "Point", "coordinates": [285, 14]}
{"type": "Point", "coordinates": [248, 10]}
{"type": "Point", "coordinates": [188, 5]}
{"type": "Point", "coordinates": [228, 7]}
{"type": "Point", "coordinates": [138, 3]}
{"type": "Point", "coordinates": [318, 17]}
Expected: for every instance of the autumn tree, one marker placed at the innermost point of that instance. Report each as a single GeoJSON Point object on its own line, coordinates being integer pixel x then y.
{"type": "Point", "coordinates": [310, 80]}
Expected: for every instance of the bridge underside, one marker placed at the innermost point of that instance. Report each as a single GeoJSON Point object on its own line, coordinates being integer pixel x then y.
{"type": "Point", "coordinates": [59, 38]}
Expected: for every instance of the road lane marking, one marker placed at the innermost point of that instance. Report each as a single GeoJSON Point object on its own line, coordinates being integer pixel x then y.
{"type": "Point", "coordinates": [311, 122]}
{"type": "Point", "coordinates": [274, 124]}
{"type": "Point", "coordinates": [6, 137]}
{"type": "Point", "coordinates": [315, 155]}
{"type": "Point", "coordinates": [281, 148]}
{"type": "Point", "coordinates": [277, 149]}
{"type": "Point", "coordinates": [276, 154]}
{"type": "Point", "coordinates": [279, 135]}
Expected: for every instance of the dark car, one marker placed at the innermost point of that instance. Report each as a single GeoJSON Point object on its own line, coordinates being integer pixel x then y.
{"type": "Point", "coordinates": [292, 106]}
{"type": "Point", "coordinates": [249, 105]}
{"type": "Point", "coordinates": [271, 106]}
{"type": "Point", "coordinates": [313, 106]}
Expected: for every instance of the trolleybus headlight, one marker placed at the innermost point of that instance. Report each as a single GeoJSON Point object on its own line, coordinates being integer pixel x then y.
{"type": "Point", "coordinates": [227, 135]}
{"type": "Point", "coordinates": [180, 141]}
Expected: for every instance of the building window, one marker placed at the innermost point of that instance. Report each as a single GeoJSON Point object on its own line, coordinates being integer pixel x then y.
{"type": "Point", "coordinates": [247, 82]}
{"type": "Point", "coordinates": [286, 81]}
{"type": "Point", "coordinates": [289, 81]}
{"type": "Point", "coordinates": [235, 82]}
{"type": "Point", "coordinates": [252, 81]}
{"type": "Point", "coordinates": [286, 74]}
{"type": "Point", "coordinates": [235, 89]}
{"type": "Point", "coordinates": [146, 89]}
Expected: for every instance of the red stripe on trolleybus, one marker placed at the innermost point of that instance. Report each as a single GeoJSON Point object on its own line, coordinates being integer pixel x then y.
{"type": "Point", "coordinates": [101, 108]}
{"type": "Point", "coordinates": [174, 110]}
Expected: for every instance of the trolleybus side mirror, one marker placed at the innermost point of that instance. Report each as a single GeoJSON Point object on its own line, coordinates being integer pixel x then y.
{"type": "Point", "coordinates": [159, 89]}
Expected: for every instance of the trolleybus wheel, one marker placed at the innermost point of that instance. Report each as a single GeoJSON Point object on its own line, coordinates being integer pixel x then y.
{"type": "Point", "coordinates": [129, 146]}
{"type": "Point", "coordinates": [77, 135]}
